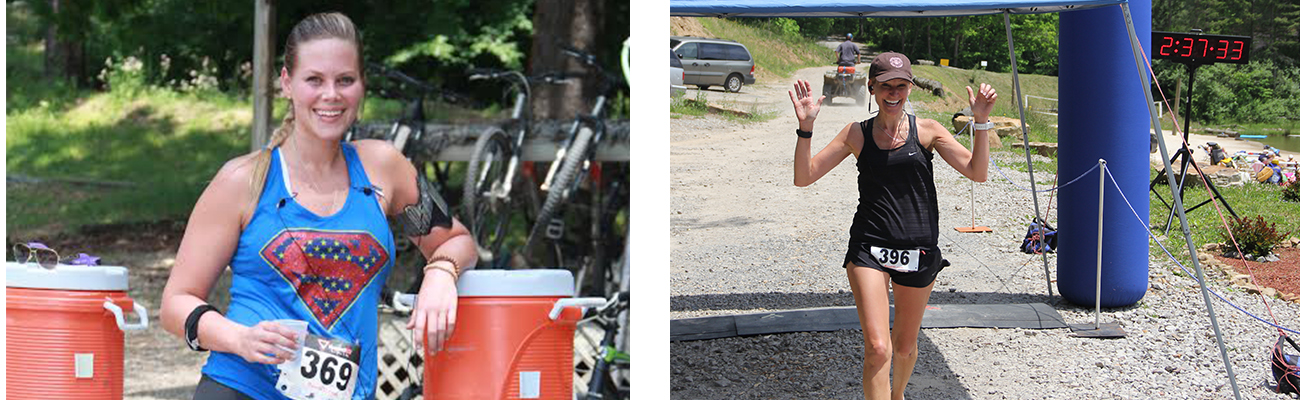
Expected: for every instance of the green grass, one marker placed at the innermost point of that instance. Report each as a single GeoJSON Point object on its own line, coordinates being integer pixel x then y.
{"type": "Point", "coordinates": [700, 106]}
{"type": "Point", "coordinates": [684, 106]}
{"type": "Point", "coordinates": [955, 82]}
{"type": "Point", "coordinates": [773, 52]}
{"type": "Point", "coordinates": [165, 144]}
{"type": "Point", "coordinates": [1205, 224]}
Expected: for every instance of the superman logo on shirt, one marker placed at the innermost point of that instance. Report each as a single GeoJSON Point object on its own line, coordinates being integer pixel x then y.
{"type": "Point", "coordinates": [327, 269]}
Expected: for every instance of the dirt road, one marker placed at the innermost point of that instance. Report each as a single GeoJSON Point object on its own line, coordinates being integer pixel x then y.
{"type": "Point", "coordinates": [745, 240]}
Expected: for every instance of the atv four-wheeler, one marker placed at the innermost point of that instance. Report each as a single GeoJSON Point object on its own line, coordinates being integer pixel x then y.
{"type": "Point", "coordinates": [845, 81]}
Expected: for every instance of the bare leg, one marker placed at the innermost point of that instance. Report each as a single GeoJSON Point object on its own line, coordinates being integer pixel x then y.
{"type": "Point", "coordinates": [909, 306]}
{"type": "Point", "coordinates": [871, 295]}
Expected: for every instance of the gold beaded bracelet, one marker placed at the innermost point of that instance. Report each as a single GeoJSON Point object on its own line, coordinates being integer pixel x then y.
{"type": "Point", "coordinates": [453, 270]}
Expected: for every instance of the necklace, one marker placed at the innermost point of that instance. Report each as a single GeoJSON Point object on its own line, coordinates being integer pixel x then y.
{"type": "Point", "coordinates": [316, 187]}
{"type": "Point", "coordinates": [893, 138]}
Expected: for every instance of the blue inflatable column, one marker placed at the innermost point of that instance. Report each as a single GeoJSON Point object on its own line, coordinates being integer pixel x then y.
{"type": "Point", "coordinates": [1103, 115]}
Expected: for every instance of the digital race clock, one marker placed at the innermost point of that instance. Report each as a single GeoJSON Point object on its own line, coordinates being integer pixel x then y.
{"type": "Point", "coordinates": [1195, 48]}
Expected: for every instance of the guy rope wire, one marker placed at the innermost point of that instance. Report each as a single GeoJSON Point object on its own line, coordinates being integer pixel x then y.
{"type": "Point", "coordinates": [1231, 236]}
{"type": "Point", "coordinates": [1215, 201]}
{"type": "Point", "coordinates": [1140, 60]}
{"type": "Point", "coordinates": [1024, 134]}
{"type": "Point", "coordinates": [1199, 281]}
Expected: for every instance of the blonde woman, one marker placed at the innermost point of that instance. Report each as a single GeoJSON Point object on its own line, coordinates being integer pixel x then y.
{"type": "Point", "coordinates": [303, 225]}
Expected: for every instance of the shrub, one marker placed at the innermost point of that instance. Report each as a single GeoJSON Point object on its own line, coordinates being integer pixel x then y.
{"type": "Point", "coordinates": [788, 27]}
{"type": "Point", "coordinates": [125, 78]}
{"type": "Point", "coordinates": [1256, 236]}
{"type": "Point", "coordinates": [1291, 193]}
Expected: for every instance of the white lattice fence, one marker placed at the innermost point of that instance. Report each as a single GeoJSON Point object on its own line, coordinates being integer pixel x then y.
{"type": "Point", "coordinates": [399, 365]}
{"type": "Point", "coordinates": [586, 350]}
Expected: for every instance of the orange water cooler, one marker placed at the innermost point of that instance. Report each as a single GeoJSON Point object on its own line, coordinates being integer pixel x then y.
{"type": "Point", "coordinates": [513, 338]}
{"type": "Point", "coordinates": [64, 331]}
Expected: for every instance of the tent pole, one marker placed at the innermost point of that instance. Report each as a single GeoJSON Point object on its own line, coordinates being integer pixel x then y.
{"type": "Point", "coordinates": [1178, 202]}
{"type": "Point", "coordinates": [1029, 160]}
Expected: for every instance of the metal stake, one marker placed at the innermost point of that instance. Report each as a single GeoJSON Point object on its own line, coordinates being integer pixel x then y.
{"type": "Point", "coordinates": [1097, 330]}
{"type": "Point", "coordinates": [1101, 209]}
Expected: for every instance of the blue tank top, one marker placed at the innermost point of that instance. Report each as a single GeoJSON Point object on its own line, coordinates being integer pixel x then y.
{"type": "Point", "coordinates": [293, 264]}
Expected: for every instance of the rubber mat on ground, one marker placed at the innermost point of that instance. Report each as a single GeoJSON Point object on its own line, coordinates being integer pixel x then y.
{"type": "Point", "coordinates": [1025, 316]}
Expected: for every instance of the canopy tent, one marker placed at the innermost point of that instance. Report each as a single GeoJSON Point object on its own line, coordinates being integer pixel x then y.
{"type": "Point", "coordinates": [1091, 41]}
{"type": "Point", "coordinates": [847, 9]}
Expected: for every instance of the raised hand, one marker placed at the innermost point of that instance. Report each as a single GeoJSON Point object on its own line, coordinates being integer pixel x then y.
{"type": "Point", "coordinates": [981, 104]}
{"type": "Point", "coordinates": [805, 107]}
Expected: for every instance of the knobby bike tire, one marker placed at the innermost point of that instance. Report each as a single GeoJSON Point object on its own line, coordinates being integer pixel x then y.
{"type": "Point", "coordinates": [487, 216]}
{"type": "Point", "coordinates": [564, 179]}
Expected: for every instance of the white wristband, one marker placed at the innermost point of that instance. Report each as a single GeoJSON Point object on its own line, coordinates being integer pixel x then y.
{"type": "Point", "coordinates": [983, 127]}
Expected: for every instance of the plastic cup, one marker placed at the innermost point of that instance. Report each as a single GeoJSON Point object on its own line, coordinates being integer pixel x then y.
{"type": "Point", "coordinates": [299, 327]}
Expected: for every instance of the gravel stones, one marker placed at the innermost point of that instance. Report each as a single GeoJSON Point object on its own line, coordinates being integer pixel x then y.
{"type": "Point", "coordinates": [745, 240]}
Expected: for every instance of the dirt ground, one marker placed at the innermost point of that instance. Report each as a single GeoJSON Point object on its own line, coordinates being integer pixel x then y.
{"type": "Point", "coordinates": [1283, 275]}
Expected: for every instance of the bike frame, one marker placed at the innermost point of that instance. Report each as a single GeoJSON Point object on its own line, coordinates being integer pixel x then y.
{"type": "Point", "coordinates": [595, 118]}
{"type": "Point", "coordinates": [608, 319]}
{"type": "Point", "coordinates": [521, 116]}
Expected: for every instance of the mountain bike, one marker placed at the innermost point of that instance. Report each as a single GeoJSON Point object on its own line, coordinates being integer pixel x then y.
{"type": "Point", "coordinates": [605, 374]}
{"type": "Point", "coordinates": [494, 168]}
{"type": "Point", "coordinates": [407, 132]}
{"type": "Point", "coordinates": [573, 158]}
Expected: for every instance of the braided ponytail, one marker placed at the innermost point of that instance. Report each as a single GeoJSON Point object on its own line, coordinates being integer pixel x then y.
{"type": "Point", "coordinates": [262, 162]}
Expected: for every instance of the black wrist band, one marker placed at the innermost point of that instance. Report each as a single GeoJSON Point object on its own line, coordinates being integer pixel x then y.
{"type": "Point", "coordinates": [802, 133]}
{"type": "Point", "coordinates": [192, 326]}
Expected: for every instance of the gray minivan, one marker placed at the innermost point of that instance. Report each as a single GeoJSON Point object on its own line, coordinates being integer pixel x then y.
{"type": "Point", "coordinates": [711, 62]}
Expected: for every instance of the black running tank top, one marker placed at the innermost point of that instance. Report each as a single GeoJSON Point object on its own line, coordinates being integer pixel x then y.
{"type": "Point", "coordinates": [896, 197]}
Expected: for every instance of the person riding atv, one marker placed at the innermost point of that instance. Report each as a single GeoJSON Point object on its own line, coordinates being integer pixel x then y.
{"type": "Point", "coordinates": [845, 81]}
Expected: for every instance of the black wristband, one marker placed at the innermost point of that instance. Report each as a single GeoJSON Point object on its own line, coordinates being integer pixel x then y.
{"type": "Point", "coordinates": [802, 133]}
{"type": "Point", "coordinates": [192, 326]}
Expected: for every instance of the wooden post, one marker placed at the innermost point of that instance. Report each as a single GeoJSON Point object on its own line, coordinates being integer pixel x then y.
{"type": "Point", "coordinates": [573, 22]}
{"type": "Point", "coordinates": [263, 71]}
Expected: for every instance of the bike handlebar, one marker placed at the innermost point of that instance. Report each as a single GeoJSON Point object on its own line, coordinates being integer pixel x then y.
{"type": "Point", "coordinates": [420, 85]}
{"type": "Point", "coordinates": [585, 58]}
{"type": "Point", "coordinates": [398, 75]}
{"type": "Point", "coordinates": [554, 78]}
{"type": "Point", "coordinates": [589, 60]}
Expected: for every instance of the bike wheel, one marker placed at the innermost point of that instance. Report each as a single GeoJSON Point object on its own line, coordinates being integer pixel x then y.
{"type": "Point", "coordinates": [484, 209]}
{"type": "Point", "coordinates": [564, 180]}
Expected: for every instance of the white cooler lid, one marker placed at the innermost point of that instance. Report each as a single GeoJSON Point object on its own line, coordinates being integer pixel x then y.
{"type": "Point", "coordinates": [515, 283]}
{"type": "Point", "coordinates": [65, 277]}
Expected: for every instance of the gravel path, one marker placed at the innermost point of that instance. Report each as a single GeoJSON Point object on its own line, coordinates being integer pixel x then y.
{"type": "Point", "coordinates": [744, 239]}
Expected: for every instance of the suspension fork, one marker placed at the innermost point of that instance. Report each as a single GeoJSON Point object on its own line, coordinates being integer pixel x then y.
{"type": "Point", "coordinates": [596, 111]}
{"type": "Point", "coordinates": [520, 116]}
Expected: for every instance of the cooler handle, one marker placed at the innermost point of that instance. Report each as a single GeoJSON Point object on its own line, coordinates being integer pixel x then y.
{"type": "Point", "coordinates": [140, 312]}
{"type": "Point", "coordinates": [403, 302]}
{"type": "Point", "coordinates": [576, 302]}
